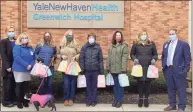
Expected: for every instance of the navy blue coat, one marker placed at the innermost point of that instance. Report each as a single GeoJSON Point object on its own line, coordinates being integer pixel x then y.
{"type": "Point", "coordinates": [91, 58]}
{"type": "Point", "coordinates": [182, 57]}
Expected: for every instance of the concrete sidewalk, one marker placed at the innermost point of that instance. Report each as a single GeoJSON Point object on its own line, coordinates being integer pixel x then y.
{"type": "Point", "coordinates": [99, 107]}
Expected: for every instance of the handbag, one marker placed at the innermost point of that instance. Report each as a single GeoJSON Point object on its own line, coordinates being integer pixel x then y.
{"type": "Point", "coordinates": [109, 80]}
{"type": "Point", "coordinates": [137, 71]}
{"type": "Point", "coordinates": [81, 81]}
{"type": "Point", "coordinates": [101, 81]}
{"type": "Point", "coordinates": [62, 66]}
{"type": "Point", "coordinates": [123, 80]}
{"type": "Point", "coordinates": [152, 72]}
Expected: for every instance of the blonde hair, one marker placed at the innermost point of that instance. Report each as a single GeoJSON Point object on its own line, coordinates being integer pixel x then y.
{"type": "Point", "coordinates": [52, 44]}
{"type": "Point", "coordinates": [64, 42]}
{"type": "Point", "coordinates": [147, 41]}
{"type": "Point", "coordinates": [20, 37]}
{"type": "Point", "coordinates": [7, 29]}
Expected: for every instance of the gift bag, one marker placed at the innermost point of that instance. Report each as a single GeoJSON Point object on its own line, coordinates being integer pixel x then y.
{"type": "Point", "coordinates": [42, 70]}
{"type": "Point", "coordinates": [73, 69]}
{"type": "Point", "coordinates": [81, 81]}
{"type": "Point", "coordinates": [49, 73]}
{"type": "Point", "coordinates": [123, 80]}
{"type": "Point", "coordinates": [62, 66]}
{"type": "Point", "coordinates": [152, 72]}
{"type": "Point", "coordinates": [101, 81]}
{"type": "Point", "coordinates": [137, 71]}
{"type": "Point", "coordinates": [109, 80]}
{"type": "Point", "coordinates": [33, 71]}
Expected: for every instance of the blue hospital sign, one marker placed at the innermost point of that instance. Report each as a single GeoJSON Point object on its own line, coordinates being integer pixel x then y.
{"type": "Point", "coordinates": [75, 14]}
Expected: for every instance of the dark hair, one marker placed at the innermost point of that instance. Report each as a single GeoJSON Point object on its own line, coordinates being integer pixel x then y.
{"type": "Point", "coordinates": [114, 36]}
{"type": "Point", "coordinates": [91, 34]}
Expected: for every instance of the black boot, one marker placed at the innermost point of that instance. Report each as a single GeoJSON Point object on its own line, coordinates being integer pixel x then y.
{"type": "Point", "coordinates": [140, 103]}
{"type": "Point", "coordinates": [146, 102]}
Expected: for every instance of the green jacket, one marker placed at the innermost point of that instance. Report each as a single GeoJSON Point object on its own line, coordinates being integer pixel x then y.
{"type": "Point", "coordinates": [117, 59]}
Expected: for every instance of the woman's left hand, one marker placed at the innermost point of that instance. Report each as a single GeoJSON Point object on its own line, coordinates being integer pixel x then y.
{"type": "Point", "coordinates": [153, 61]}
{"type": "Point", "coordinates": [73, 58]}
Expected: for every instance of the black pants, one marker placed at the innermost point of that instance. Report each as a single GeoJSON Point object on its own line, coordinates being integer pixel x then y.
{"type": "Point", "coordinates": [8, 90]}
{"type": "Point", "coordinates": [144, 88]}
{"type": "Point", "coordinates": [21, 89]}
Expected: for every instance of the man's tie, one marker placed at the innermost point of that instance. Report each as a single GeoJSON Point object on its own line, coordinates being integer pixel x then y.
{"type": "Point", "coordinates": [170, 56]}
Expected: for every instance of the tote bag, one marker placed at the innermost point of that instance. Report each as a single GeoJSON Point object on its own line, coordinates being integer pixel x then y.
{"type": "Point", "coordinates": [123, 80]}
{"type": "Point", "coordinates": [62, 66]}
{"type": "Point", "coordinates": [81, 81]}
{"type": "Point", "coordinates": [137, 71]}
{"type": "Point", "coordinates": [101, 81]}
{"type": "Point", "coordinates": [152, 72]}
{"type": "Point", "coordinates": [109, 80]}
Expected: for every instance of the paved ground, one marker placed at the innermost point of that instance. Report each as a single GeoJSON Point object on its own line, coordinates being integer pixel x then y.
{"type": "Point", "coordinates": [99, 107]}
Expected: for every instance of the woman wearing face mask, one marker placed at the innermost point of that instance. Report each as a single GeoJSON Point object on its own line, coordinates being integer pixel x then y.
{"type": "Point", "coordinates": [6, 47]}
{"type": "Point", "coordinates": [23, 62]}
{"type": "Point", "coordinates": [117, 61]}
{"type": "Point", "coordinates": [69, 51]}
{"type": "Point", "coordinates": [45, 52]}
{"type": "Point", "coordinates": [144, 52]}
{"type": "Point", "coordinates": [91, 63]}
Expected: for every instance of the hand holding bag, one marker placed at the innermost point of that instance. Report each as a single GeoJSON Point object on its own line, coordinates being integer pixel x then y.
{"type": "Point", "coordinates": [101, 81]}
{"type": "Point", "coordinates": [152, 72]}
{"type": "Point", "coordinates": [81, 81]}
{"type": "Point", "coordinates": [137, 71]}
{"type": "Point", "coordinates": [123, 80]}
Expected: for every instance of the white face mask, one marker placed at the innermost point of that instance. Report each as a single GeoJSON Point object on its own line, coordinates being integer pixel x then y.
{"type": "Point", "coordinates": [91, 40]}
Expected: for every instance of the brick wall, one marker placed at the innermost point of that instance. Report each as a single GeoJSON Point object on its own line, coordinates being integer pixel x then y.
{"type": "Point", "coordinates": [155, 16]}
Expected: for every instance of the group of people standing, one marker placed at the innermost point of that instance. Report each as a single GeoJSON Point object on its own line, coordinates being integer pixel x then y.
{"type": "Point", "coordinates": [18, 58]}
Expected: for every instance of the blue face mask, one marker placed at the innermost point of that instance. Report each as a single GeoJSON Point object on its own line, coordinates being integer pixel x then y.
{"type": "Point", "coordinates": [10, 34]}
{"type": "Point", "coordinates": [172, 37]}
{"type": "Point", "coordinates": [143, 37]}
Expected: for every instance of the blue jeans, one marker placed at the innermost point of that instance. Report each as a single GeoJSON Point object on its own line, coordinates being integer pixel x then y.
{"type": "Point", "coordinates": [69, 86]}
{"type": "Point", "coordinates": [91, 89]}
{"type": "Point", "coordinates": [46, 87]}
{"type": "Point", "coordinates": [117, 89]}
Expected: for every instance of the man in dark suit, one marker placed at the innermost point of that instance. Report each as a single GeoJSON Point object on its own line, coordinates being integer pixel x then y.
{"type": "Point", "coordinates": [176, 60]}
{"type": "Point", "coordinates": [6, 46]}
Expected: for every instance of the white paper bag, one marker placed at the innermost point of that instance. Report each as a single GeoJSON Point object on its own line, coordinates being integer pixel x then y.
{"type": "Point", "coordinates": [81, 81]}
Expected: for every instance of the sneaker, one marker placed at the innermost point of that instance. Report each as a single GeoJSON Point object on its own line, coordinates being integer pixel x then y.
{"type": "Point", "coordinates": [119, 104]}
{"type": "Point", "coordinates": [114, 104]}
{"type": "Point", "coordinates": [93, 104]}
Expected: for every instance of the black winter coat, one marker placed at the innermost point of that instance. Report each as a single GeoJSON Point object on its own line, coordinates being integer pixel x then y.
{"type": "Point", "coordinates": [144, 53]}
{"type": "Point", "coordinates": [6, 56]}
{"type": "Point", "coordinates": [91, 58]}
